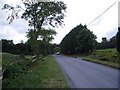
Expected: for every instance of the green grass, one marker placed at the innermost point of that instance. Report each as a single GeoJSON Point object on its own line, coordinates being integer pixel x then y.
{"type": "Point", "coordinates": [110, 54]}
{"type": "Point", "coordinates": [11, 59]}
{"type": "Point", "coordinates": [44, 73]}
{"type": "Point", "coordinates": [108, 57]}
{"type": "Point", "coordinates": [107, 63]}
{"type": "Point", "coordinates": [76, 55]}
{"type": "Point", "coordinates": [13, 65]}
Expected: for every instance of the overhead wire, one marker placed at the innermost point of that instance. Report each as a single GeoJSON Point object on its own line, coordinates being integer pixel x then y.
{"type": "Point", "coordinates": [103, 13]}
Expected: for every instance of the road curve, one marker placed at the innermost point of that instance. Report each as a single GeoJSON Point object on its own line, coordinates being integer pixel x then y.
{"type": "Point", "coordinates": [84, 74]}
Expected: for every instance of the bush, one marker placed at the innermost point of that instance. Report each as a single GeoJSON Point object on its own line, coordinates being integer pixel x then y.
{"type": "Point", "coordinates": [13, 65]}
{"type": "Point", "coordinates": [106, 55]}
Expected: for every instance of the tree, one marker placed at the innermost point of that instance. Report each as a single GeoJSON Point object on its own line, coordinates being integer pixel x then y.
{"type": "Point", "coordinates": [45, 37]}
{"type": "Point", "coordinates": [112, 42]}
{"type": "Point", "coordinates": [86, 41]}
{"type": "Point", "coordinates": [69, 43]}
{"type": "Point", "coordinates": [39, 15]}
{"type": "Point", "coordinates": [107, 43]}
{"type": "Point", "coordinates": [104, 43]}
{"type": "Point", "coordinates": [118, 40]}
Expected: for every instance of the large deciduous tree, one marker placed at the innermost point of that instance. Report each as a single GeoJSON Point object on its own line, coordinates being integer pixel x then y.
{"type": "Point", "coordinates": [39, 15]}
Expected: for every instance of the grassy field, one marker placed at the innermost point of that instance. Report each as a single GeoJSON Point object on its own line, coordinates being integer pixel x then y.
{"type": "Point", "coordinates": [107, 57]}
{"type": "Point", "coordinates": [44, 73]}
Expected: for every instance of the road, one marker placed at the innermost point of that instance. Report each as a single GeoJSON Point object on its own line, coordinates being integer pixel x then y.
{"type": "Point", "coordinates": [84, 74]}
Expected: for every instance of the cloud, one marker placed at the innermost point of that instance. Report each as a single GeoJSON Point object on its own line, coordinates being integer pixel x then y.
{"type": "Point", "coordinates": [20, 25]}
{"type": "Point", "coordinates": [9, 32]}
{"type": "Point", "coordinates": [111, 33]}
{"type": "Point", "coordinates": [16, 30]}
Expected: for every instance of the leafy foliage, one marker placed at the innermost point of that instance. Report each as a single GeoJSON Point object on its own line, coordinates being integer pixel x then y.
{"type": "Point", "coordinates": [39, 15]}
{"type": "Point", "coordinates": [44, 13]}
{"type": "Point", "coordinates": [107, 43]}
{"type": "Point", "coordinates": [12, 66]}
{"type": "Point", "coordinates": [56, 49]}
{"type": "Point", "coordinates": [43, 74]}
{"type": "Point", "coordinates": [108, 57]}
{"type": "Point", "coordinates": [69, 43]}
{"type": "Point", "coordinates": [78, 40]}
{"type": "Point", "coordinates": [21, 48]}
{"type": "Point", "coordinates": [86, 41]}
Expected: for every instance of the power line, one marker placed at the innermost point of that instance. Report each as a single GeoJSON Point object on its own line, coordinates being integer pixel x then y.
{"type": "Point", "coordinates": [103, 12]}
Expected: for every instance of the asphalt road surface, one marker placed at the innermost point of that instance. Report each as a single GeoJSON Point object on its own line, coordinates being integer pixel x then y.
{"type": "Point", "coordinates": [84, 74]}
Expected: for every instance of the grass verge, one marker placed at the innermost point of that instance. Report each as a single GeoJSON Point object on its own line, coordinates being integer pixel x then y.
{"type": "Point", "coordinates": [109, 57]}
{"type": "Point", "coordinates": [107, 63]}
{"type": "Point", "coordinates": [45, 73]}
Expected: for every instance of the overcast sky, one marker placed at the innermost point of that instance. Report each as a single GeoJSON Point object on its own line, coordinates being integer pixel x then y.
{"type": "Point", "coordinates": [78, 12]}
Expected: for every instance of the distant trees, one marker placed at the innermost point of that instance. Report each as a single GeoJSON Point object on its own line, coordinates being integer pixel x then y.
{"type": "Point", "coordinates": [118, 39]}
{"type": "Point", "coordinates": [21, 48]}
{"type": "Point", "coordinates": [25, 49]}
{"type": "Point", "coordinates": [103, 44]}
{"type": "Point", "coordinates": [56, 49]}
{"type": "Point", "coordinates": [7, 45]}
{"type": "Point", "coordinates": [107, 43]}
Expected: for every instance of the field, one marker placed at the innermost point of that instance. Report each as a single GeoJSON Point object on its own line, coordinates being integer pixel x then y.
{"type": "Point", "coordinates": [44, 73]}
{"type": "Point", "coordinates": [108, 57]}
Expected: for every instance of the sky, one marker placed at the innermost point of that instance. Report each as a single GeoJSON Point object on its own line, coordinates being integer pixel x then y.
{"type": "Point", "coordinates": [77, 12]}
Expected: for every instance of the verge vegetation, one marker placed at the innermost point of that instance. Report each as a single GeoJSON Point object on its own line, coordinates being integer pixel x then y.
{"type": "Point", "coordinates": [44, 73]}
{"type": "Point", "coordinates": [108, 57]}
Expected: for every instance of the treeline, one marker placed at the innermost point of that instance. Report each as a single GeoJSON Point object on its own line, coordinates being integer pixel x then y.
{"type": "Point", "coordinates": [23, 48]}
{"type": "Point", "coordinates": [80, 40]}
{"type": "Point", "coordinates": [107, 43]}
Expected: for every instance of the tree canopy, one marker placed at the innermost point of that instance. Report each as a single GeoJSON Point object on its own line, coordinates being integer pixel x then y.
{"type": "Point", "coordinates": [40, 16]}
{"type": "Point", "coordinates": [78, 40]}
{"type": "Point", "coordinates": [69, 42]}
{"type": "Point", "coordinates": [21, 48]}
{"type": "Point", "coordinates": [86, 41]}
